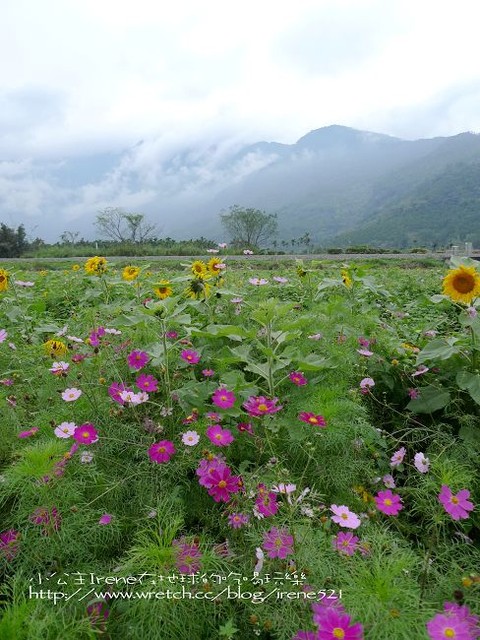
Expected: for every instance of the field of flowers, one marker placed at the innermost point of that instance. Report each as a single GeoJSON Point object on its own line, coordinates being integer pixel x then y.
{"type": "Point", "coordinates": [259, 450]}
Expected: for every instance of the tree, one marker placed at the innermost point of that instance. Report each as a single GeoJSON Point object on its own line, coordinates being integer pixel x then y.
{"type": "Point", "coordinates": [249, 227]}
{"type": "Point", "coordinates": [121, 226]}
{"type": "Point", "coordinates": [12, 242]}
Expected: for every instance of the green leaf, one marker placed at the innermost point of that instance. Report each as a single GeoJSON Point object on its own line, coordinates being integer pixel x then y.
{"type": "Point", "coordinates": [438, 349]}
{"type": "Point", "coordinates": [314, 363]}
{"type": "Point", "coordinates": [431, 399]}
{"type": "Point", "coordinates": [469, 382]}
{"type": "Point", "coordinates": [470, 434]}
{"type": "Point", "coordinates": [228, 630]}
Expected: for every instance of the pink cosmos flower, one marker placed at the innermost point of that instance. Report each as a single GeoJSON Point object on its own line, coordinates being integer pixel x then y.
{"type": "Point", "coordinates": [388, 481]}
{"type": "Point", "coordinates": [421, 463]}
{"type": "Point", "coordinates": [7, 382]}
{"type": "Point", "coordinates": [218, 436]}
{"type": "Point", "coordinates": [365, 352]}
{"type": "Point", "coordinates": [315, 336]}
{"type": "Point", "coordinates": [238, 520]}
{"type": "Point", "coordinates": [137, 359]}
{"type": "Point", "coordinates": [345, 542]}
{"type": "Point", "coordinates": [298, 378]}
{"type": "Point", "coordinates": [312, 418]}
{"type": "Point", "coordinates": [223, 398]}
{"type": "Point", "coordinates": [420, 371]}
{"type": "Point", "coordinates": [172, 335]}
{"type": "Point", "coordinates": [337, 624]}
{"type": "Point", "coordinates": [414, 393]}
{"type": "Point", "coordinates": [146, 383]}
{"type": "Point", "coordinates": [85, 434]}
{"type": "Point", "coordinates": [457, 505]}
{"type": "Point", "coordinates": [278, 543]}
{"type": "Point", "coordinates": [366, 384]}
{"type": "Point", "coordinates": [65, 429]}
{"type": "Point", "coordinates": [258, 281]}
{"type": "Point", "coordinates": [430, 333]}
{"type": "Point", "coordinates": [23, 283]}
{"type": "Point", "coordinates": [206, 468]}
{"type": "Point", "coordinates": [280, 279]}
{"type": "Point", "coordinates": [344, 517]}
{"type": "Point", "coordinates": [472, 312]}
{"type": "Point", "coordinates": [222, 484]}
{"type": "Point", "coordinates": [28, 433]}
{"type": "Point", "coordinates": [3, 335]}
{"type": "Point", "coordinates": [208, 373]}
{"type": "Point", "coordinates": [70, 395]}
{"type": "Point", "coordinates": [190, 356]}
{"type": "Point", "coordinates": [59, 368]}
{"type": "Point", "coordinates": [463, 613]}
{"type": "Point", "coordinates": [212, 250]}
{"type": "Point", "coordinates": [190, 438]}
{"type": "Point", "coordinates": [105, 519]}
{"type": "Point", "coordinates": [364, 342]}
{"type": "Point", "coordinates": [222, 245]}
{"type": "Point", "coordinates": [388, 503]}
{"type": "Point", "coordinates": [398, 457]}
{"type": "Point", "coordinates": [258, 406]}
{"type": "Point", "coordinates": [9, 544]}
{"type": "Point", "coordinates": [86, 457]}
{"type": "Point", "coordinates": [161, 451]}
{"type": "Point", "coordinates": [247, 252]}
{"type": "Point", "coordinates": [266, 503]}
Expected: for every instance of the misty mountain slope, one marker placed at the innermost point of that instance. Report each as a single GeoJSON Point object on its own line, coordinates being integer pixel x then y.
{"type": "Point", "coordinates": [442, 209]}
{"type": "Point", "coordinates": [338, 183]}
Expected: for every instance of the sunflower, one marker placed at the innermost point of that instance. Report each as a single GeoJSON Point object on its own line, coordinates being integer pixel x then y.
{"type": "Point", "coordinates": [199, 269]}
{"type": "Point", "coordinates": [4, 279]}
{"type": "Point", "coordinates": [213, 267]}
{"type": "Point", "coordinates": [347, 281]}
{"type": "Point", "coordinates": [75, 267]}
{"type": "Point", "coordinates": [462, 284]}
{"type": "Point", "coordinates": [55, 348]}
{"type": "Point", "coordinates": [96, 266]}
{"type": "Point", "coordinates": [163, 289]}
{"type": "Point", "coordinates": [130, 273]}
{"type": "Point", "coordinates": [197, 289]}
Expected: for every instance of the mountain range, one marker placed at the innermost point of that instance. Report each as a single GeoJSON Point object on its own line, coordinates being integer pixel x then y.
{"type": "Point", "coordinates": [341, 185]}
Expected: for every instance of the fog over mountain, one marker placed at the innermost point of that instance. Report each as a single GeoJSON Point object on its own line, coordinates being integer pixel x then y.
{"type": "Point", "coordinates": [339, 184]}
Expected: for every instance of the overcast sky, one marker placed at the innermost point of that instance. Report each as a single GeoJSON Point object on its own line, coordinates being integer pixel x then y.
{"type": "Point", "coordinates": [82, 77]}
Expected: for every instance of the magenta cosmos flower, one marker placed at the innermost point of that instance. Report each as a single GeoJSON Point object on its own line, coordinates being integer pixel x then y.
{"type": "Point", "coordinates": [223, 398]}
{"type": "Point", "coordinates": [222, 484]}
{"type": "Point", "coordinates": [266, 503]}
{"type": "Point", "coordinates": [298, 378]}
{"type": "Point", "coordinates": [278, 543]}
{"type": "Point", "coordinates": [312, 418]}
{"type": "Point", "coordinates": [238, 520]}
{"type": "Point", "coordinates": [115, 389]}
{"type": "Point", "coordinates": [137, 359]}
{"type": "Point", "coordinates": [345, 542]}
{"type": "Point", "coordinates": [190, 356]}
{"type": "Point", "coordinates": [85, 434]}
{"type": "Point", "coordinates": [188, 556]}
{"type": "Point", "coordinates": [344, 517]}
{"type": "Point", "coordinates": [146, 382]}
{"type": "Point", "coordinates": [457, 505]}
{"type": "Point", "coordinates": [161, 451]}
{"type": "Point", "coordinates": [28, 432]}
{"type": "Point", "coordinates": [105, 519]}
{"type": "Point", "coordinates": [449, 625]}
{"type": "Point", "coordinates": [218, 436]}
{"type": "Point", "coordinates": [258, 406]}
{"type": "Point", "coordinates": [335, 623]}
{"type": "Point", "coordinates": [388, 503]}
{"type": "Point", "coordinates": [9, 544]}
